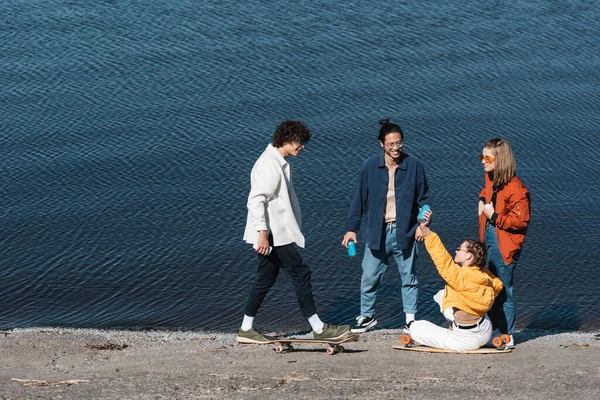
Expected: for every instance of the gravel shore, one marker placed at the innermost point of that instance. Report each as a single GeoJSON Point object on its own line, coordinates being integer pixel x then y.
{"type": "Point", "coordinates": [51, 363]}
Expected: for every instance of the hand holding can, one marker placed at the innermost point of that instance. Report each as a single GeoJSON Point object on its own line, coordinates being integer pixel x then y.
{"type": "Point", "coordinates": [255, 247]}
{"type": "Point", "coordinates": [421, 217]}
{"type": "Point", "coordinates": [351, 248]}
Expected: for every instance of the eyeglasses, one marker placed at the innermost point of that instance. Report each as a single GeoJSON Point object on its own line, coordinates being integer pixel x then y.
{"type": "Point", "coordinates": [392, 146]}
{"type": "Point", "coordinates": [487, 159]}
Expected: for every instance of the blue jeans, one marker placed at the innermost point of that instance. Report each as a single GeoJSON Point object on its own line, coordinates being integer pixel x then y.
{"type": "Point", "coordinates": [374, 265]}
{"type": "Point", "coordinates": [502, 312]}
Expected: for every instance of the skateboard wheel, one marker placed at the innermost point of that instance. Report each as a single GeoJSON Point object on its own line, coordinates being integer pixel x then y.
{"type": "Point", "coordinates": [405, 339]}
{"type": "Point", "coordinates": [505, 338]}
{"type": "Point", "coordinates": [331, 351]}
{"type": "Point", "coordinates": [342, 349]}
{"type": "Point", "coordinates": [498, 342]}
{"type": "Point", "coordinates": [284, 348]}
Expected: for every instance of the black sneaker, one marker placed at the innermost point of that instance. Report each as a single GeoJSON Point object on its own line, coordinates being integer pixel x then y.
{"type": "Point", "coordinates": [364, 324]}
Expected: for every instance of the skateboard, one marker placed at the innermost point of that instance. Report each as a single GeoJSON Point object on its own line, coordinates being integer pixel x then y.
{"type": "Point", "coordinates": [284, 345]}
{"type": "Point", "coordinates": [499, 346]}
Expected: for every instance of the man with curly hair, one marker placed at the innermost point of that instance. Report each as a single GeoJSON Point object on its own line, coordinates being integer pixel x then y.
{"type": "Point", "coordinates": [273, 227]}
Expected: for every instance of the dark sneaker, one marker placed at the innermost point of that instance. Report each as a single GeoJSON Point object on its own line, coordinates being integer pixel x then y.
{"type": "Point", "coordinates": [332, 332]}
{"type": "Point", "coordinates": [251, 336]}
{"type": "Point", "coordinates": [364, 324]}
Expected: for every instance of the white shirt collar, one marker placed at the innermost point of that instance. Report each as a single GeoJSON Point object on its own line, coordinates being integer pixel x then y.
{"type": "Point", "coordinates": [275, 153]}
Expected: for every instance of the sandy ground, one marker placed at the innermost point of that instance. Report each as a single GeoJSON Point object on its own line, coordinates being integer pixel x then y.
{"type": "Point", "coordinates": [91, 364]}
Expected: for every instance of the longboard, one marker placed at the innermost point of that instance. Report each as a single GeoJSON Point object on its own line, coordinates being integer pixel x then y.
{"type": "Point", "coordinates": [284, 345]}
{"type": "Point", "coordinates": [427, 349]}
{"type": "Point", "coordinates": [499, 343]}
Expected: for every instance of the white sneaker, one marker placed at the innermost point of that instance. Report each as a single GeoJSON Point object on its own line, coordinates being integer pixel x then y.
{"type": "Point", "coordinates": [511, 343]}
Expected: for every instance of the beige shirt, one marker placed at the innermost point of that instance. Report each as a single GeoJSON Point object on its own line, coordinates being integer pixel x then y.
{"type": "Point", "coordinates": [272, 203]}
{"type": "Point", "coordinates": [390, 206]}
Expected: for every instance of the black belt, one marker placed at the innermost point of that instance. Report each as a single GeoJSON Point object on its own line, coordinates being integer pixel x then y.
{"type": "Point", "coordinates": [466, 326]}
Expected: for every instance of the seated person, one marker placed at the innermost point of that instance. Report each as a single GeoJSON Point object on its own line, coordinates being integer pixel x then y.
{"type": "Point", "coordinates": [469, 294]}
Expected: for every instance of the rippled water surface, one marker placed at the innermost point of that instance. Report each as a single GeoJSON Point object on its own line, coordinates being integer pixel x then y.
{"type": "Point", "coordinates": [128, 130]}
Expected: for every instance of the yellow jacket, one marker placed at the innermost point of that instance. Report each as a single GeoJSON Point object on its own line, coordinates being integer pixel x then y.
{"type": "Point", "coordinates": [471, 289]}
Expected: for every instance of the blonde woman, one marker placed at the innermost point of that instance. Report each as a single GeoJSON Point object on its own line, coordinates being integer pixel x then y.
{"type": "Point", "coordinates": [504, 205]}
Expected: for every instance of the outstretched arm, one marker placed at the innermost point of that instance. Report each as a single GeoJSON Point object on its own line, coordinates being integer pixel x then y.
{"type": "Point", "coordinates": [447, 268]}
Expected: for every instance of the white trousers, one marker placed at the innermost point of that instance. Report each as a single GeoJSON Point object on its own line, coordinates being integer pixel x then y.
{"type": "Point", "coordinates": [424, 332]}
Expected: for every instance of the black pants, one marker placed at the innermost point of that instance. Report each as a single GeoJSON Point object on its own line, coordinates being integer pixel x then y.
{"type": "Point", "coordinates": [286, 258]}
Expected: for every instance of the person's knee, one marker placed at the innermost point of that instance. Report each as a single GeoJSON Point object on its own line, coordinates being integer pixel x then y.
{"type": "Point", "coordinates": [266, 281]}
{"type": "Point", "coordinates": [372, 272]}
{"type": "Point", "coordinates": [370, 282]}
{"type": "Point", "coordinates": [302, 274]}
{"type": "Point", "coordinates": [419, 328]}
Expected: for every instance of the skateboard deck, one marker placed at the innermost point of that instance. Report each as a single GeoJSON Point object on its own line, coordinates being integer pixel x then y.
{"type": "Point", "coordinates": [427, 349]}
{"type": "Point", "coordinates": [284, 344]}
{"type": "Point", "coordinates": [500, 344]}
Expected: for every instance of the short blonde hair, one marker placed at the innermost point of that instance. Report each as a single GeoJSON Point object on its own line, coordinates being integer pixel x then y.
{"type": "Point", "coordinates": [506, 165]}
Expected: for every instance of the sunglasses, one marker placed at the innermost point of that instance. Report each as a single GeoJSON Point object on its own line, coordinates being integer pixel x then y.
{"type": "Point", "coordinates": [487, 159]}
{"type": "Point", "coordinates": [392, 146]}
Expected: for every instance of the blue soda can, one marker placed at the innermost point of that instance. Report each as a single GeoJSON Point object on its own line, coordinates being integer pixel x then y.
{"type": "Point", "coordinates": [351, 248]}
{"type": "Point", "coordinates": [421, 216]}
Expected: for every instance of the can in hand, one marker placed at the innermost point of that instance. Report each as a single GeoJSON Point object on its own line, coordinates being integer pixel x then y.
{"type": "Point", "coordinates": [268, 252]}
{"type": "Point", "coordinates": [421, 216]}
{"type": "Point", "coordinates": [351, 248]}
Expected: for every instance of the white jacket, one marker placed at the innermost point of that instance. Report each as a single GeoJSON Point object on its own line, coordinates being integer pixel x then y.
{"type": "Point", "coordinates": [272, 202]}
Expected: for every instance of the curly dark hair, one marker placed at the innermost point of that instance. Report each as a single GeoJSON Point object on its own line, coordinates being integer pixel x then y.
{"type": "Point", "coordinates": [291, 132]}
{"type": "Point", "coordinates": [479, 252]}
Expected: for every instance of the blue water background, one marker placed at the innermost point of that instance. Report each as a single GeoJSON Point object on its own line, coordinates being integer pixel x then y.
{"type": "Point", "coordinates": [128, 130]}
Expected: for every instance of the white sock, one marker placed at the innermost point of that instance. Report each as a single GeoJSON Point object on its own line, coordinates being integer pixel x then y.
{"type": "Point", "coordinates": [409, 318]}
{"type": "Point", "coordinates": [316, 323]}
{"type": "Point", "coordinates": [247, 323]}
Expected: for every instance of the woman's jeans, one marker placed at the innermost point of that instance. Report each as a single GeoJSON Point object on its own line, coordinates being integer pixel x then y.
{"type": "Point", "coordinates": [374, 265]}
{"type": "Point", "coordinates": [502, 312]}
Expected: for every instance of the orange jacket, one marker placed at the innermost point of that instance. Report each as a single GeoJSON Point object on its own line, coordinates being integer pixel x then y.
{"type": "Point", "coordinates": [512, 207]}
